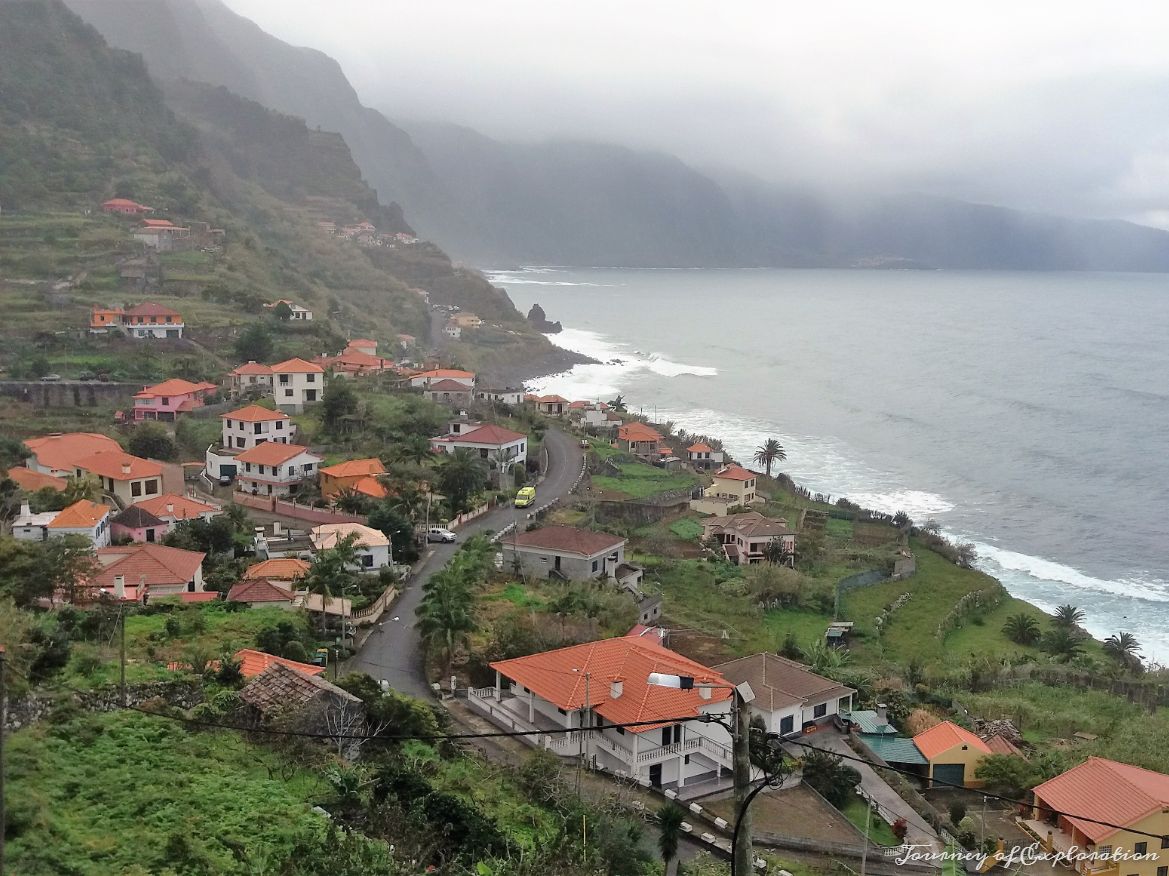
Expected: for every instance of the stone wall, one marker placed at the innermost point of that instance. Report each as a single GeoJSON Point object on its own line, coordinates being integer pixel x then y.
{"type": "Point", "coordinates": [36, 707]}
{"type": "Point", "coordinates": [69, 393]}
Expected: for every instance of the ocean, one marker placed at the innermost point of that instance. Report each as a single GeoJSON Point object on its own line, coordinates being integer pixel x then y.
{"type": "Point", "coordinates": [1027, 413]}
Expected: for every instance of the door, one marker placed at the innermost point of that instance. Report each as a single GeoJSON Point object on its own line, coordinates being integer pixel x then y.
{"type": "Point", "coordinates": [951, 773]}
{"type": "Point", "coordinates": [655, 775]}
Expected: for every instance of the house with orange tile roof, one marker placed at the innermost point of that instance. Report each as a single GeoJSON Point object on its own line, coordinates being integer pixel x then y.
{"type": "Point", "coordinates": [425, 378]}
{"type": "Point", "coordinates": [650, 733]}
{"type": "Point", "coordinates": [127, 478]}
{"type": "Point", "coordinates": [89, 520]}
{"type": "Point", "coordinates": [356, 362]}
{"type": "Point", "coordinates": [30, 481]}
{"type": "Point", "coordinates": [253, 662]}
{"type": "Point", "coordinates": [166, 400]}
{"type": "Point", "coordinates": [447, 391]}
{"type": "Point", "coordinates": [146, 571]}
{"type": "Point", "coordinates": [702, 455]}
{"type": "Point", "coordinates": [246, 427]}
{"type": "Point", "coordinates": [264, 593]}
{"type": "Point", "coordinates": [639, 439]}
{"type": "Point", "coordinates": [138, 524]}
{"type": "Point", "coordinates": [552, 405]}
{"type": "Point", "coordinates": [57, 454]}
{"type": "Point", "coordinates": [732, 486]}
{"type": "Point", "coordinates": [103, 319]}
{"type": "Point", "coordinates": [173, 508]}
{"type": "Point", "coordinates": [149, 320]}
{"type": "Point", "coordinates": [275, 469]}
{"type": "Point", "coordinates": [564, 552]}
{"type": "Point", "coordinates": [280, 570]}
{"type": "Point", "coordinates": [359, 475]}
{"type": "Point", "coordinates": [252, 379]}
{"type": "Point", "coordinates": [1078, 809]}
{"type": "Point", "coordinates": [953, 754]}
{"type": "Point", "coordinates": [125, 207]}
{"type": "Point", "coordinates": [490, 442]}
{"type": "Point", "coordinates": [296, 383]}
{"type": "Point", "coordinates": [372, 545]}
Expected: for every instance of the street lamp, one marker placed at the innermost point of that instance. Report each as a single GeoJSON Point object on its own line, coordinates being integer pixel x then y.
{"type": "Point", "coordinates": [742, 856]}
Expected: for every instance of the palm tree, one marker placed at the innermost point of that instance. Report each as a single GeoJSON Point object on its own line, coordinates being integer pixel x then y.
{"type": "Point", "coordinates": [332, 572]}
{"type": "Point", "coordinates": [774, 553]}
{"type": "Point", "coordinates": [618, 404]}
{"type": "Point", "coordinates": [670, 818]}
{"type": "Point", "coordinates": [461, 474]}
{"type": "Point", "coordinates": [1022, 629]}
{"type": "Point", "coordinates": [1063, 643]}
{"type": "Point", "coordinates": [446, 619]}
{"type": "Point", "coordinates": [824, 658]}
{"type": "Point", "coordinates": [83, 487]}
{"type": "Point", "coordinates": [1068, 616]}
{"type": "Point", "coordinates": [414, 448]}
{"type": "Point", "coordinates": [769, 454]}
{"type": "Point", "coordinates": [1124, 648]}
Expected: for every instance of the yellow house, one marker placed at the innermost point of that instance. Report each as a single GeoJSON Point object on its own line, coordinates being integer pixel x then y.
{"type": "Point", "coordinates": [1098, 793]}
{"type": "Point", "coordinates": [953, 754]}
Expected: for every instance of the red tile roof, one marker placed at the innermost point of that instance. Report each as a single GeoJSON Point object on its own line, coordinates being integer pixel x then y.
{"type": "Point", "coordinates": [174, 386]}
{"type": "Point", "coordinates": [552, 400]}
{"type": "Point", "coordinates": [82, 514]}
{"type": "Point", "coordinates": [30, 481]}
{"type": "Point", "coordinates": [254, 414]}
{"type": "Point", "coordinates": [155, 564]}
{"type": "Point", "coordinates": [734, 472]}
{"type": "Point", "coordinates": [999, 744]}
{"type": "Point", "coordinates": [700, 448]}
{"type": "Point", "coordinates": [279, 568]}
{"type": "Point", "coordinates": [439, 373]}
{"type": "Point", "coordinates": [185, 507]}
{"type": "Point", "coordinates": [61, 452]}
{"type": "Point", "coordinates": [567, 539]}
{"type": "Point", "coordinates": [1105, 790]}
{"type": "Point", "coordinates": [485, 435]}
{"type": "Point", "coordinates": [112, 463]}
{"type": "Point", "coordinates": [149, 308]}
{"type": "Point", "coordinates": [559, 677]}
{"type": "Point", "coordinates": [353, 467]}
{"type": "Point", "coordinates": [372, 487]}
{"type": "Point", "coordinates": [253, 662]}
{"type": "Point", "coordinates": [122, 202]}
{"type": "Point", "coordinates": [638, 432]}
{"type": "Point", "coordinates": [296, 366]}
{"type": "Point", "coordinates": [942, 737]}
{"type": "Point", "coordinates": [259, 590]}
{"type": "Point", "coordinates": [271, 453]}
{"type": "Point", "coordinates": [447, 385]}
{"type": "Point", "coordinates": [252, 368]}
{"type": "Point", "coordinates": [158, 223]}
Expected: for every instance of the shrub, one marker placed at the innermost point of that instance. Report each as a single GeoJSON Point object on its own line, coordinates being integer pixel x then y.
{"type": "Point", "coordinates": [957, 812]}
{"type": "Point", "coordinates": [900, 827]}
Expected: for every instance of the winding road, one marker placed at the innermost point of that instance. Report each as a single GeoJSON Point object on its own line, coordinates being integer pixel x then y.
{"type": "Point", "coordinates": [393, 652]}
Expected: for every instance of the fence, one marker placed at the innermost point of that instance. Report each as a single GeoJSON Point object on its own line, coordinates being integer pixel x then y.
{"type": "Point", "coordinates": [370, 614]}
{"type": "Point", "coordinates": [468, 516]}
{"type": "Point", "coordinates": [295, 510]}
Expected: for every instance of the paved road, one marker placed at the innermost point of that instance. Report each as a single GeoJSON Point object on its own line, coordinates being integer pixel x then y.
{"type": "Point", "coordinates": [394, 652]}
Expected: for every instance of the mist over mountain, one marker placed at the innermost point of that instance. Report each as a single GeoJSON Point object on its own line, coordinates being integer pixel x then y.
{"type": "Point", "coordinates": [574, 202]}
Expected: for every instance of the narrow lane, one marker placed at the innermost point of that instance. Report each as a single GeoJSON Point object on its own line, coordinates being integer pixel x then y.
{"type": "Point", "coordinates": [393, 652]}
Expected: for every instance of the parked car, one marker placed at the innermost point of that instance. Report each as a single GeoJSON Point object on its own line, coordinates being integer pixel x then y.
{"type": "Point", "coordinates": [525, 497]}
{"type": "Point", "coordinates": [51, 377]}
{"type": "Point", "coordinates": [438, 533]}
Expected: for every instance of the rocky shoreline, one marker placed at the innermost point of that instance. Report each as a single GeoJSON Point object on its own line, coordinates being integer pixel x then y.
{"type": "Point", "coordinates": [553, 360]}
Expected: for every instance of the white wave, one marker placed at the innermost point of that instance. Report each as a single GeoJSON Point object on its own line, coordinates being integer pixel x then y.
{"type": "Point", "coordinates": [658, 364]}
{"type": "Point", "coordinates": [920, 505]}
{"type": "Point", "coordinates": [1048, 570]}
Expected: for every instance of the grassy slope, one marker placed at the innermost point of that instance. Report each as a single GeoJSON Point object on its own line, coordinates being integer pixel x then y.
{"type": "Point", "coordinates": [122, 793]}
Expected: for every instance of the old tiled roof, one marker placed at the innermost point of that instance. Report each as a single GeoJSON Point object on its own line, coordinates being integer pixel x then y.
{"type": "Point", "coordinates": [326, 535]}
{"type": "Point", "coordinates": [370, 486]}
{"type": "Point", "coordinates": [61, 452]}
{"type": "Point", "coordinates": [252, 368]}
{"type": "Point", "coordinates": [1105, 790]}
{"type": "Point", "coordinates": [439, 373]}
{"type": "Point", "coordinates": [552, 400]}
{"type": "Point", "coordinates": [271, 453]}
{"type": "Point", "coordinates": [137, 517]}
{"type": "Point", "coordinates": [749, 523]}
{"type": "Point", "coordinates": [559, 677]}
{"type": "Point", "coordinates": [567, 539]}
{"type": "Point", "coordinates": [353, 467]}
{"type": "Point", "coordinates": [30, 481]}
{"type": "Point", "coordinates": [779, 682]}
{"type": "Point", "coordinates": [734, 472]}
{"type": "Point", "coordinates": [149, 308]}
{"type": "Point", "coordinates": [999, 744]}
{"type": "Point", "coordinates": [638, 432]}
{"type": "Point", "coordinates": [279, 568]}
{"type": "Point", "coordinates": [296, 366]}
{"type": "Point", "coordinates": [155, 564]}
{"type": "Point", "coordinates": [111, 463]}
{"type": "Point", "coordinates": [259, 590]}
{"type": "Point", "coordinates": [254, 414]}
{"type": "Point", "coordinates": [184, 507]}
{"type": "Point", "coordinates": [700, 448]}
{"type": "Point", "coordinates": [488, 434]}
{"type": "Point", "coordinates": [174, 386]}
{"type": "Point", "coordinates": [942, 737]}
{"type": "Point", "coordinates": [80, 515]}
{"type": "Point", "coordinates": [448, 385]}
{"type": "Point", "coordinates": [282, 686]}
{"type": "Point", "coordinates": [893, 749]}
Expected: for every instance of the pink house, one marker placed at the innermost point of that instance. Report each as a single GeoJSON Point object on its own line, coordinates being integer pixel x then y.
{"type": "Point", "coordinates": [138, 524]}
{"type": "Point", "coordinates": [166, 400]}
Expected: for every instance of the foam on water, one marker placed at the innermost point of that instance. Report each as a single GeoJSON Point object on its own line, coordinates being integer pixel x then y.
{"type": "Point", "coordinates": [1041, 569]}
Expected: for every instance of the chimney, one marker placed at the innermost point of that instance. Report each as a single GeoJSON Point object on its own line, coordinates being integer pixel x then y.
{"type": "Point", "coordinates": [616, 687]}
{"type": "Point", "coordinates": [119, 587]}
{"type": "Point", "coordinates": [170, 507]}
{"type": "Point", "coordinates": [275, 528]}
{"type": "Point", "coordinates": [704, 689]}
{"type": "Point", "coordinates": [125, 468]}
{"type": "Point", "coordinates": [882, 713]}
{"type": "Point", "coordinates": [25, 508]}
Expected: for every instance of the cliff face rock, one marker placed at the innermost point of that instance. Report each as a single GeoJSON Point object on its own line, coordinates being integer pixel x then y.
{"type": "Point", "coordinates": [539, 321]}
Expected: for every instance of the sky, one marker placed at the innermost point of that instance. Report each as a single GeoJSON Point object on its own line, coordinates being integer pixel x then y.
{"type": "Point", "coordinates": [1054, 106]}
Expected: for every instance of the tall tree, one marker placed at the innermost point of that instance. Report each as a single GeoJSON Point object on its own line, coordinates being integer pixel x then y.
{"type": "Point", "coordinates": [331, 573]}
{"type": "Point", "coordinates": [255, 343]}
{"type": "Point", "coordinates": [339, 403]}
{"type": "Point", "coordinates": [446, 619]}
{"type": "Point", "coordinates": [618, 404]}
{"type": "Point", "coordinates": [670, 818]}
{"type": "Point", "coordinates": [769, 454]}
{"type": "Point", "coordinates": [462, 474]}
{"type": "Point", "coordinates": [152, 441]}
{"type": "Point", "coordinates": [1123, 648]}
{"type": "Point", "coordinates": [412, 448]}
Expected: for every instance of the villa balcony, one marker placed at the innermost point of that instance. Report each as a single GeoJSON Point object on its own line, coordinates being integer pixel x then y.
{"type": "Point", "coordinates": [1052, 839]}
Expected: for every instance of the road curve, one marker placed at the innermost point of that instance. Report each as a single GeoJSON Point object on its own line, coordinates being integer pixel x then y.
{"type": "Point", "coordinates": [393, 651]}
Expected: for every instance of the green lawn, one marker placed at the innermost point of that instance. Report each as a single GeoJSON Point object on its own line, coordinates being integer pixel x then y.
{"type": "Point", "coordinates": [639, 481]}
{"type": "Point", "coordinates": [879, 830]}
{"type": "Point", "coordinates": [687, 528]}
{"type": "Point", "coordinates": [128, 793]}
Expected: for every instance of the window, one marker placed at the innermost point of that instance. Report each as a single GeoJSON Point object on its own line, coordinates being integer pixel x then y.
{"type": "Point", "coordinates": [310, 395]}
{"type": "Point", "coordinates": [787, 724]}
{"type": "Point", "coordinates": [820, 711]}
{"type": "Point", "coordinates": [1141, 848]}
{"type": "Point", "coordinates": [288, 393]}
{"type": "Point", "coordinates": [367, 560]}
{"type": "Point", "coordinates": [310, 378]}
{"type": "Point", "coordinates": [256, 429]}
{"type": "Point", "coordinates": [596, 565]}
{"type": "Point", "coordinates": [620, 730]}
{"type": "Point", "coordinates": [1163, 871]}
{"type": "Point", "coordinates": [136, 488]}
{"type": "Point", "coordinates": [279, 424]}
{"type": "Point", "coordinates": [283, 379]}
{"type": "Point", "coordinates": [1165, 842]}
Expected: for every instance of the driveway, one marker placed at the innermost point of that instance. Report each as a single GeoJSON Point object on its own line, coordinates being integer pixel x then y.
{"type": "Point", "coordinates": [393, 651]}
{"type": "Point", "coordinates": [919, 833]}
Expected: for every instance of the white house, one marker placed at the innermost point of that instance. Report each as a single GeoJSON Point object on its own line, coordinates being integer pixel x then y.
{"type": "Point", "coordinates": [490, 442]}
{"type": "Point", "coordinates": [274, 469]}
{"type": "Point", "coordinates": [788, 697]}
{"type": "Point", "coordinates": [299, 314]}
{"type": "Point", "coordinates": [702, 455]}
{"type": "Point", "coordinates": [425, 378]}
{"type": "Point", "coordinates": [745, 537]}
{"type": "Point", "coordinates": [453, 330]}
{"type": "Point", "coordinates": [84, 518]}
{"type": "Point", "coordinates": [732, 486]}
{"type": "Point", "coordinates": [564, 552]}
{"type": "Point", "coordinates": [250, 379]}
{"type": "Point", "coordinates": [372, 545]}
{"type": "Point", "coordinates": [552, 405]}
{"type": "Point", "coordinates": [246, 427]}
{"type": "Point", "coordinates": [296, 383]}
{"type": "Point", "coordinates": [507, 396]}
{"type": "Point", "coordinates": [605, 685]}
{"type": "Point", "coordinates": [139, 571]}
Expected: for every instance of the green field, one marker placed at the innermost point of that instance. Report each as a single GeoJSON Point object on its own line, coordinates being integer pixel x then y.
{"type": "Point", "coordinates": [879, 830]}
{"type": "Point", "coordinates": [636, 480]}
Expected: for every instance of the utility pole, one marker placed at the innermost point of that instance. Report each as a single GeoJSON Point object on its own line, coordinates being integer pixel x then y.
{"type": "Point", "coordinates": [868, 822]}
{"type": "Point", "coordinates": [122, 654]}
{"type": "Point", "coordinates": [3, 721]}
{"type": "Point", "coordinates": [581, 751]}
{"type": "Point", "coordinates": [742, 855]}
